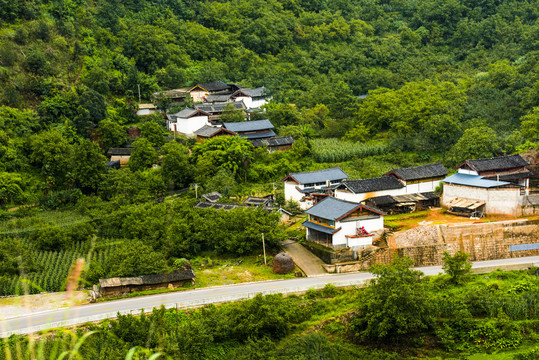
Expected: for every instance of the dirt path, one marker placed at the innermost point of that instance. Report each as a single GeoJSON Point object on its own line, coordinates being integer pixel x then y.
{"type": "Point", "coordinates": [309, 263]}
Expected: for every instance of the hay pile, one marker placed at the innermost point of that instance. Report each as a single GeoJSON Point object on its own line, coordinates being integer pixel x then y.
{"type": "Point", "coordinates": [283, 264]}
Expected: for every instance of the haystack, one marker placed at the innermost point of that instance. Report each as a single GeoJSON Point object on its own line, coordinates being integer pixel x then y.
{"type": "Point", "coordinates": [283, 263]}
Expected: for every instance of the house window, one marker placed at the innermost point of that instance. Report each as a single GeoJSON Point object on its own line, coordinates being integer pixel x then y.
{"type": "Point", "coordinates": [331, 223]}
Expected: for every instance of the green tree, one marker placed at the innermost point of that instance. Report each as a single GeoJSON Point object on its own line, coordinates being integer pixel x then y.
{"type": "Point", "coordinates": [88, 166]}
{"type": "Point", "coordinates": [396, 305]}
{"type": "Point", "coordinates": [51, 154]}
{"type": "Point", "coordinates": [111, 134]}
{"type": "Point", "coordinates": [134, 258]}
{"type": "Point", "coordinates": [530, 125]}
{"type": "Point", "coordinates": [175, 164]}
{"type": "Point", "coordinates": [476, 143]}
{"type": "Point", "coordinates": [231, 114]}
{"type": "Point", "coordinates": [153, 132]}
{"type": "Point", "coordinates": [10, 188]}
{"type": "Point", "coordinates": [143, 155]}
{"type": "Point", "coordinates": [456, 266]}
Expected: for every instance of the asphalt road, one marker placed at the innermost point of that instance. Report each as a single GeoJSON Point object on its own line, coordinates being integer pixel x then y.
{"type": "Point", "coordinates": [189, 298]}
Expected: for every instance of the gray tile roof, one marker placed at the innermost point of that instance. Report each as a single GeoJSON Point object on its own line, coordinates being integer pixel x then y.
{"type": "Point", "coordinates": [245, 126]}
{"type": "Point", "coordinates": [334, 209]}
{"type": "Point", "coordinates": [497, 163]}
{"type": "Point", "coordinates": [258, 92]}
{"type": "Point", "coordinates": [209, 131]}
{"type": "Point", "coordinates": [258, 135]}
{"type": "Point", "coordinates": [275, 141]}
{"type": "Point", "coordinates": [317, 227]}
{"type": "Point", "coordinates": [215, 86]}
{"type": "Point", "coordinates": [184, 114]}
{"type": "Point", "coordinates": [420, 172]}
{"type": "Point", "coordinates": [217, 98]}
{"type": "Point", "coordinates": [373, 184]}
{"type": "Point", "coordinates": [220, 107]}
{"type": "Point", "coordinates": [120, 151]}
{"type": "Point", "coordinates": [318, 176]}
{"type": "Point", "coordinates": [474, 181]}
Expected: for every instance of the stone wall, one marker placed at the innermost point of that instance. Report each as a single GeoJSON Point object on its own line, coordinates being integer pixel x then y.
{"type": "Point", "coordinates": [483, 241]}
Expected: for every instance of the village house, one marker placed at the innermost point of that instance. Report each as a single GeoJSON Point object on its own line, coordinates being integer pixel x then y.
{"type": "Point", "coordinates": [215, 110]}
{"type": "Point", "coordinates": [278, 143]}
{"type": "Point", "coordinates": [302, 187]}
{"type": "Point", "coordinates": [146, 109]}
{"type": "Point", "coordinates": [474, 195]}
{"type": "Point", "coordinates": [174, 96]}
{"type": "Point", "coordinates": [404, 181]}
{"type": "Point", "coordinates": [120, 154]}
{"type": "Point", "coordinates": [200, 91]}
{"type": "Point", "coordinates": [252, 98]}
{"type": "Point", "coordinates": [187, 121]}
{"type": "Point", "coordinates": [407, 203]}
{"type": "Point", "coordinates": [208, 132]}
{"type": "Point", "coordinates": [257, 129]}
{"type": "Point", "coordinates": [339, 224]}
{"type": "Point", "coordinates": [511, 168]}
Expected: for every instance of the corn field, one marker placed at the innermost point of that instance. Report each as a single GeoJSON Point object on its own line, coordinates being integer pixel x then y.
{"type": "Point", "coordinates": [334, 150]}
{"type": "Point", "coordinates": [53, 270]}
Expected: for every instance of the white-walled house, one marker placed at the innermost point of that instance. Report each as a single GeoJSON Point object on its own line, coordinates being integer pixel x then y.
{"type": "Point", "coordinates": [252, 98]}
{"type": "Point", "coordinates": [420, 179]}
{"type": "Point", "coordinates": [187, 121]}
{"type": "Point", "coordinates": [358, 190]}
{"type": "Point", "coordinates": [339, 224]}
{"type": "Point", "coordinates": [299, 187]}
{"type": "Point", "coordinates": [511, 168]}
{"type": "Point", "coordinates": [411, 180]}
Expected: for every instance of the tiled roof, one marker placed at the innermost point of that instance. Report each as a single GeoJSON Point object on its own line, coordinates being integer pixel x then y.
{"type": "Point", "coordinates": [220, 107]}
{"type": "Point", "coordinates": [217, 98]}
{"type": "Point", "coordinates": [399, 199]}
{"type": "Point", "coordinates": [333, 209]}
{"type": "Point", "coordinates": [245, 126]}
{"type": "Point", "coordinates": [420, 172]}
{"type": "Point", "coordinates": [310, 177]}
{"type": "Point", "coordinates": [258, 92]}
{"type": "Point", "coordinates": [185, 113]}
{"type": "Point", "coordinates": [321, 228]}
{"type": "Point", "coordinates": [120, 151]}
{"type": "Point", "coordinates": [209, 131]}
{"type": "Point", "coordinates": [258, 135]}
{"type": "Point", "coordinates": [473, 181]}
{"type": "Point", "coordinates": [373, 184]}
{"type": "Point", "coordinates": [497, 163]}
{"type": "Point", "coordinates": [275, 141]}
{"type": "Point", "coordinates": [214, 86]}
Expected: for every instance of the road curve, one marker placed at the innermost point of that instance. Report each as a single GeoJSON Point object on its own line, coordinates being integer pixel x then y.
{"type": "Point", "coordinates": [182, 299]}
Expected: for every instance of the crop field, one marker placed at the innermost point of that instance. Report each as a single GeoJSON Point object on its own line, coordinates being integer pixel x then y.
{"type": "Point", "coordinates": [335, 150]}
{"type": "Point", "coordinates": [53, 269]}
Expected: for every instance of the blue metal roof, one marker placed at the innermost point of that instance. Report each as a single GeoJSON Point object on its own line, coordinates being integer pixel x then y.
{"type": "Point", "coordinates": [474, 181]}
{"type": "Point", "coordinates": [311, 177]}
{"type": "Point", "coordinates": [321, 228]}
{"type": "Point", "coordinates": [244, 126]}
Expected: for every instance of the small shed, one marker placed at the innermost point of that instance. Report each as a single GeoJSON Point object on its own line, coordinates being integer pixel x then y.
{"type": "Point", "coordinates": [120, 154]}
{"type": "Point", "coordinates": [120, 286]}
{"type": "Point", "coordinates": [212, 197]}
{"type": "Point", "coordinates": [397, 204]}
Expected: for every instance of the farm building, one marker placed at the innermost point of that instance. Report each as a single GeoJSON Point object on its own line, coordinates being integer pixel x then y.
{"type": "Point", "coordinates": [412, 180]}
{"type": "Point", "coordinates": [121, 286]}
{"type": "Point", "coordinates": [512, 168]}
{"type": "Point", "coordinates": [397, 204]}
{"type": "Point", "coordinates": [187, 121]}
{"type": "Point", "coordinates": [146, 109]}
{"type": "Point", "coordinates": [339, 224]}
{"type": "Point", "coordinates": [467, 194]}
{"type": "Point", "coordinates": [301, 187]}
{"type": "Point", "coordinates": [120, 154]}
{"type": "Point", "coordinates": [274, 144]}
{"type": "Point", "coordinates": [208, 132]}
{"type": "Point", "coordinates": [252, 98]}
{"type": "Point", "coordinates": [201, 91]}
{"type": "Point", "coordinates": [257, 129]}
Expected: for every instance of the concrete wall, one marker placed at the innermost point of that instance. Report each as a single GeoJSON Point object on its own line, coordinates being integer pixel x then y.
{"type": "Point", "coordinates": [371, 224]}
{"type": "Point", "coordinates": [421, 187]}
{"type": "Point", "coordinates": [498, 201]}
{"type": "Point", "coordinates": [483, 241]}
{"type": "Point", "coordinates": [408, 189]}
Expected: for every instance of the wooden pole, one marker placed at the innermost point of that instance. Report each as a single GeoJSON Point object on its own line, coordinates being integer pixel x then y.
{"type": "Point", "coordinates": [264, 247]}
{"type": "Point", "coordinates": [196, 190]}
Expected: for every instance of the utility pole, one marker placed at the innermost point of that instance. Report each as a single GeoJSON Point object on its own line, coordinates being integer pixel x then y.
{"type": "Point", "coordinates": [196, 190]}
{"type": "Point", "coordinates": [138, 86]}
{"type": "Point", "coordinates": [264, 247]}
